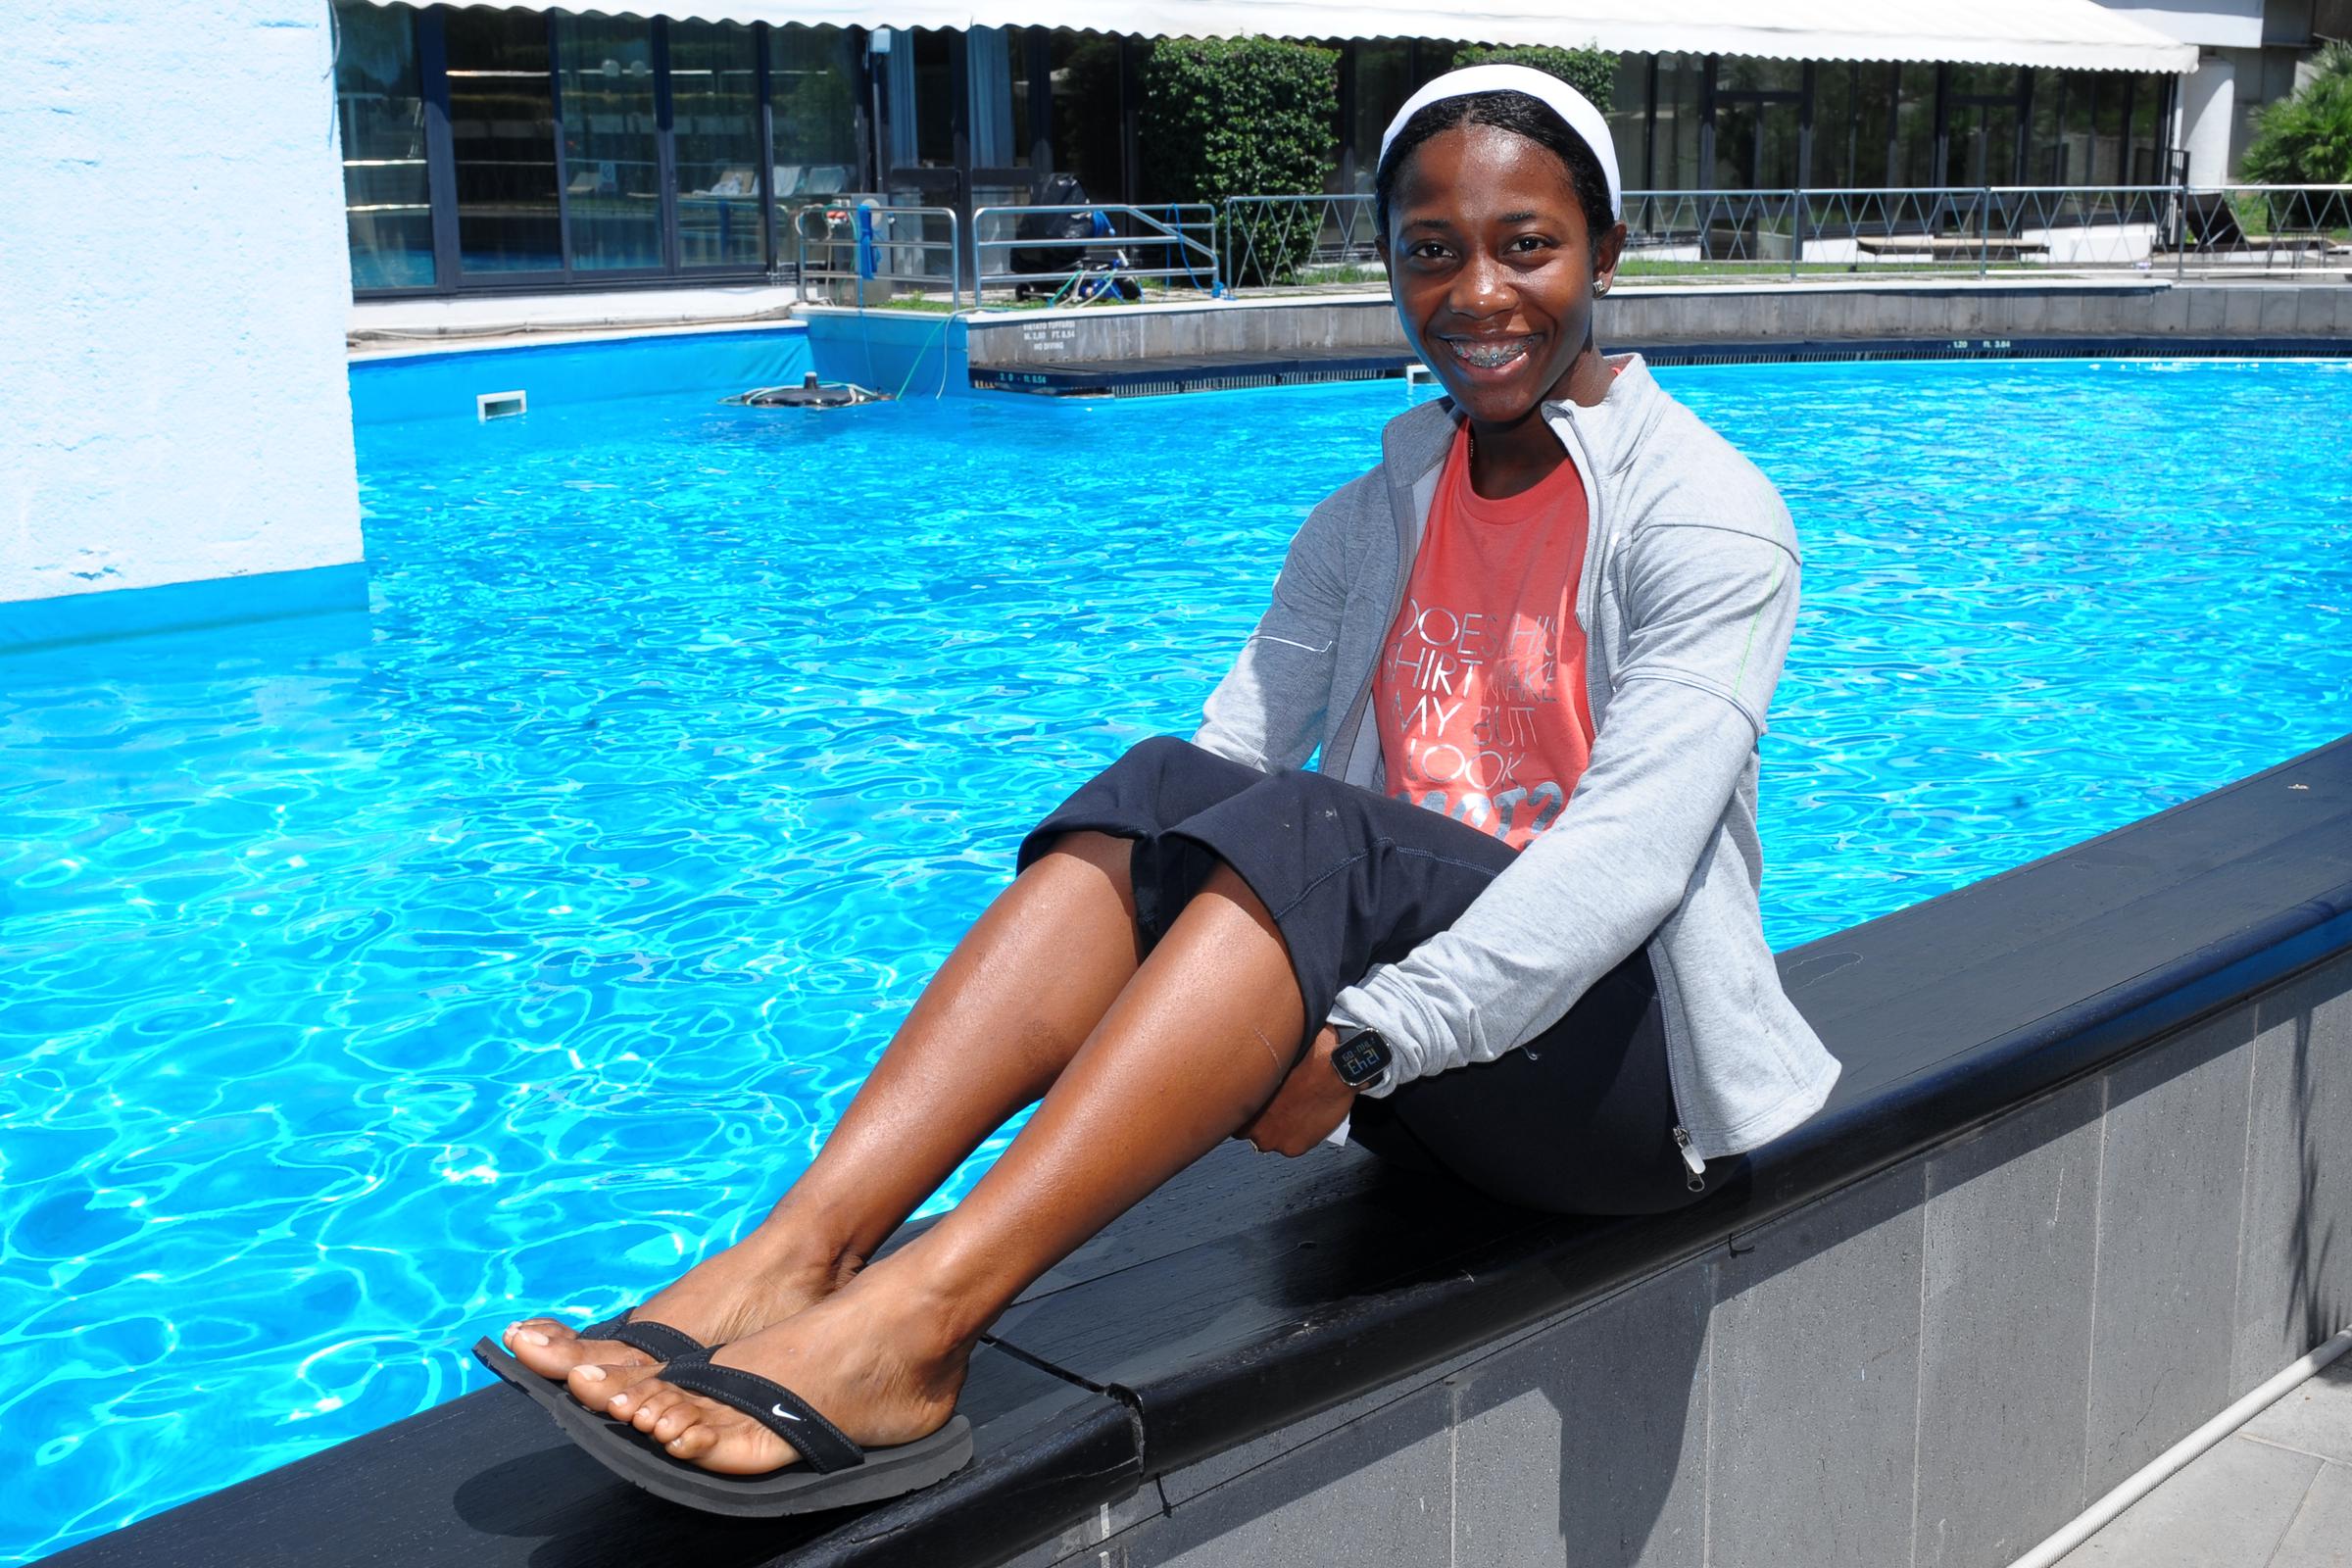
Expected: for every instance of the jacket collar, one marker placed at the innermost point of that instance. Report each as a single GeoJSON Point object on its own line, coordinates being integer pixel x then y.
{"type": "Point", "coordinates": [1416, 440]}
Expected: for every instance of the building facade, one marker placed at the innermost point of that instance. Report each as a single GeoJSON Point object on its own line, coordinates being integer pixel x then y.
{"type": "Point", "coordinates": [528, 148]}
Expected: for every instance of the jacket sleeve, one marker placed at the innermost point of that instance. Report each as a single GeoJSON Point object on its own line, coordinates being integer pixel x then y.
{"type": "Point", "coordinates": [1709, 614]}
{"type": "Point", "coordinates": [1268, 709]}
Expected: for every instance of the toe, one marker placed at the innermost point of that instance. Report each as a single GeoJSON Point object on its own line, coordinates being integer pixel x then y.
{"type": "Point", "coordinates": [676, 1420]}
{"type": "Point", "coordinates": [645, 1403]}
{"type": "Point", "coordinates": [693, 1443]}
{"type": "Point", "coordinates": [537, 1331]}
{"type": "Point", "coordinates": [554, 1349]}
{"type": "Point", "coordinates": [540, 1343]}
{"type": "Point", "coordinates": [730, 1445]}
{"type": "Point", "coordinates": [604, 1386]}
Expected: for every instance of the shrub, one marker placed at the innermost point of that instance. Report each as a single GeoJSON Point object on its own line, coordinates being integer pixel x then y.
{"type": "Point", "coordinates": [2307, 140]}
{"type": "Point", "coordinates": [1239, 116]}
{"type": "Point", "coordinates": [1590, 71]}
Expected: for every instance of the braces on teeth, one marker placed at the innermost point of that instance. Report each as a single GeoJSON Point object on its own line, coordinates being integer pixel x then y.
{"type": "Point", "coordinates": [1493, 357]}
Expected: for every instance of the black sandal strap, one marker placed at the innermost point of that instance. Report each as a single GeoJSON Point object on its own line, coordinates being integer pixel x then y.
{"type": "Point", "coordinates": [657, 1340]}
{"type": "Point", "coordinates": [824, 1445]}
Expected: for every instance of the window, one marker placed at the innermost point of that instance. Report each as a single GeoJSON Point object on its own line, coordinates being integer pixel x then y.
{"type": "Point", "coordinates": [2146, 164]}
{"type": "Point", "coordinates": [502, 130]}
{"type": "Point", "coordinates": [2110, 109]}
{"type": "Point", "coordinates": [1758, 105]}
{"type": "Point", "coordinates": [1089, 96]}
{"type": "Point", "coordinates": [1915, 127]}
{"type": "Point", "coordinates": [811, 76]}
{"type": "Point", "coordinates": [612, 142]}
{"type": "Point", "coordinates": [1981, 125]}
{"type": "Point", "coordinates": [1628, 119]}
{"type": "Point", "coordinates": [714, 113]}
{"type": "Point", "coordinates": [1674, 142]}
{"type": "Point", "coordinates": [2047, 143]}
{"type": "Point", "coordinates": [379, 111]}
{"type": "Point", "coordinates": [934, 97]}
{"type": "Point", "coordinates": [1853, 124]}
{"type": "Point", "coordinates": [1383, 82]}
{"type": "Point", "coordinates": [1020, 57]}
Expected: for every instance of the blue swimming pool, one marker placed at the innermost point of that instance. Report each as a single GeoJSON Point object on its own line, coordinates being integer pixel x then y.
{"type": "Point", "coordinates": [370, 979]}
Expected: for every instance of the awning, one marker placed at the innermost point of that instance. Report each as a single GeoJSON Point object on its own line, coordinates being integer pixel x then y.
{"type": "Point", "coordinates": [2065, 34]}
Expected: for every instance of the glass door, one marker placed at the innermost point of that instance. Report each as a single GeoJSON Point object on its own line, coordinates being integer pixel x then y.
{"type": "Point", "coordinates": [714, 116]}
{"type": "Point", "coordinates": [1759, 146]}
{"type": "Point", "coordinates": [502, 127]}
{"type": "Point", "coordinates": [613, 186]}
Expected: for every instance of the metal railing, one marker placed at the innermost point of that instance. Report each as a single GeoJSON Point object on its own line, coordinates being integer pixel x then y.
{"type": "Point", "coordinates": [2204, 229]}
{"type": "Point", "coordinates": [863, 252]}
{"type": "Point", "coordinates": [2227, 231]}
{"type": "Point", "coordinates": [1303, 240]}
{"type": "Point", "coordinates": [1173, 244]}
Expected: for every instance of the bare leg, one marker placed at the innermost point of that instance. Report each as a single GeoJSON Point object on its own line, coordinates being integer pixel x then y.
{"type": "Point", "coordinates": [985, 1039]}
{"type": "Point", "coordinates": [1193, 1048]}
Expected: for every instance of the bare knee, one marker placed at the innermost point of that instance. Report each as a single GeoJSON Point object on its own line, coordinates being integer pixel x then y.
{"type": "Point", "coordinates": [1106, 854]}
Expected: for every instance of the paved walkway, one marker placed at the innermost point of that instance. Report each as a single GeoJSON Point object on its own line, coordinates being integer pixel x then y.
{"type": "Point", "coordinates": [2276, 1493]}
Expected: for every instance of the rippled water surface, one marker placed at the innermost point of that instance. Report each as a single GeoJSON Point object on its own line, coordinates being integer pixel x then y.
{"type": "Point", "coordinates": [369, 980]}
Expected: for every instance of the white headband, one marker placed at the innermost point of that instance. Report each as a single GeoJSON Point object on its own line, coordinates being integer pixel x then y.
{"type": "Point", "coordinates": [1563, 100]}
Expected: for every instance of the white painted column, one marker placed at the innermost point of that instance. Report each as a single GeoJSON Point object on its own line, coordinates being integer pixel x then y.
{"type": "Point", "coordinates": [2208, 104]}
{"type": "Point", "coordinates": [174, 289]}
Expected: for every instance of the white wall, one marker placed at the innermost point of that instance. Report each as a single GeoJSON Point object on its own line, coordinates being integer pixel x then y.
{"type": "Point", "coordinates": [2208, 115]}
{"type": "Point", "coordinates": [173, 286]}
{"type": "Point", "coordinates": [2216, 24]}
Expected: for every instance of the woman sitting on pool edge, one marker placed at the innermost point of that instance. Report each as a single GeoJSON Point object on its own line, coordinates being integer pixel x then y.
{"type": "Point", "coordinates": [1554, 615]}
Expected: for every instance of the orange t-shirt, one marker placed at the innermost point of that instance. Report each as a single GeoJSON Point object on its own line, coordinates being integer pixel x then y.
{"type": "Point", "coordinates": [1481, 689]}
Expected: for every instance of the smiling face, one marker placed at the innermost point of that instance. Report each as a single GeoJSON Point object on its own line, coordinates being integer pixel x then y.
{"type": "Point", "coordinates": [1493, 269]}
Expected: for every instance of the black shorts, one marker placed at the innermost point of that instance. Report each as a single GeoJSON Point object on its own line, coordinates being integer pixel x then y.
{"type": "Point", "coordinates": [1580, 1121]}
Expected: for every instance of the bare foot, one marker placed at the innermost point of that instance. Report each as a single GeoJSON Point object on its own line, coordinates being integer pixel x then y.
{"type": "Point", "coordinates": [874, 1365]}
{"type": "Point", "coordinates": [747, 1286]}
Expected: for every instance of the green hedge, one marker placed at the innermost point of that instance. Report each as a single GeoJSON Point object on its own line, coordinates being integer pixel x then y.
{"type": "Point", "coordinates": [2307, 139]}
{"type": "Point", "coordinates": [1590, 71]}
{"type": "Point", "coordinates": [1239, 116]}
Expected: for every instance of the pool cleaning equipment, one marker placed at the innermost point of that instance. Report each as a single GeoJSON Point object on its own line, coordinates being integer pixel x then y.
{"type": "Point", "coordinates": [1094, 272]}
{"type": "Point", "coordinates": [810, 394]}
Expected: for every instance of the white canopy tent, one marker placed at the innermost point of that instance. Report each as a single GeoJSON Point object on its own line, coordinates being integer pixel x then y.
{"type": "Point", "coordinates": [2064, 34]}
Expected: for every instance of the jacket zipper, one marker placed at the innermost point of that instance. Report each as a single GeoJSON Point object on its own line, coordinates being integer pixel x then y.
{"type": "Point", "coordinates": [1588, 603]}
{"type": "Point", "coordinates": [1408, 535]}
{"type": "Point", "coordinates": [1697, 1167]}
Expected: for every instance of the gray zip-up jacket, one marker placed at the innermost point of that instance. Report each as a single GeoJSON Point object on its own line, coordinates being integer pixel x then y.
{"type": "Point", "coordinates": [1687, 602]}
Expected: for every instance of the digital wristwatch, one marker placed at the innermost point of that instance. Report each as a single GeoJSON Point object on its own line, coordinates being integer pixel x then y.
{"type": "Point", "coordinates": [1360, 1057]}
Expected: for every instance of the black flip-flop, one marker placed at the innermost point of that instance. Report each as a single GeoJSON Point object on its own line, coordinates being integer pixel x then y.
{"type": "Point", "coordinates": [832, 1472]}
{"type": "Point", "coordinates": [656, 1339]}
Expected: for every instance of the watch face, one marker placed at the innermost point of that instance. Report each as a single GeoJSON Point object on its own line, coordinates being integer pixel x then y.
{"type": "Point", "coordinates": [1361, 1058]}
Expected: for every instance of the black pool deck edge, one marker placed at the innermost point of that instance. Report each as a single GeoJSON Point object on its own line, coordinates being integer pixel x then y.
{"type": "Point", "coordinates": [1255, 1292]}
{"type": "Point", "coordinates": [1210, 372]}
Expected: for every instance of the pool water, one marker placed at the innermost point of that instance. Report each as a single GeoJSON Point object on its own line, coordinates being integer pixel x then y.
{"type": "Point", "coordinates": [374, 979]}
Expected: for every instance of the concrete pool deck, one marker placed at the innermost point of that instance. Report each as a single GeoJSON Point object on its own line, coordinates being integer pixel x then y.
{"type": "Point", "coordinates": [1202, 344]}
{"type": "Point", "coordinates": [1926, 305]}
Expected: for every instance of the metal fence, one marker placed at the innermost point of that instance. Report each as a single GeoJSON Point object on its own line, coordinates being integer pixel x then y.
{"type": "Point", "coordinates": [2228, 229]}
{"type": "Point", "coordinates": [1097, 250]}
{"type": "Point", "coordinates": [1108, 250]}
{"type": "Point", "coordinates": [2232, 231]}
{"type": "Point", "coordinates": [1301, 240]}
{"type": "Point", "coordinates": [867, 254]}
